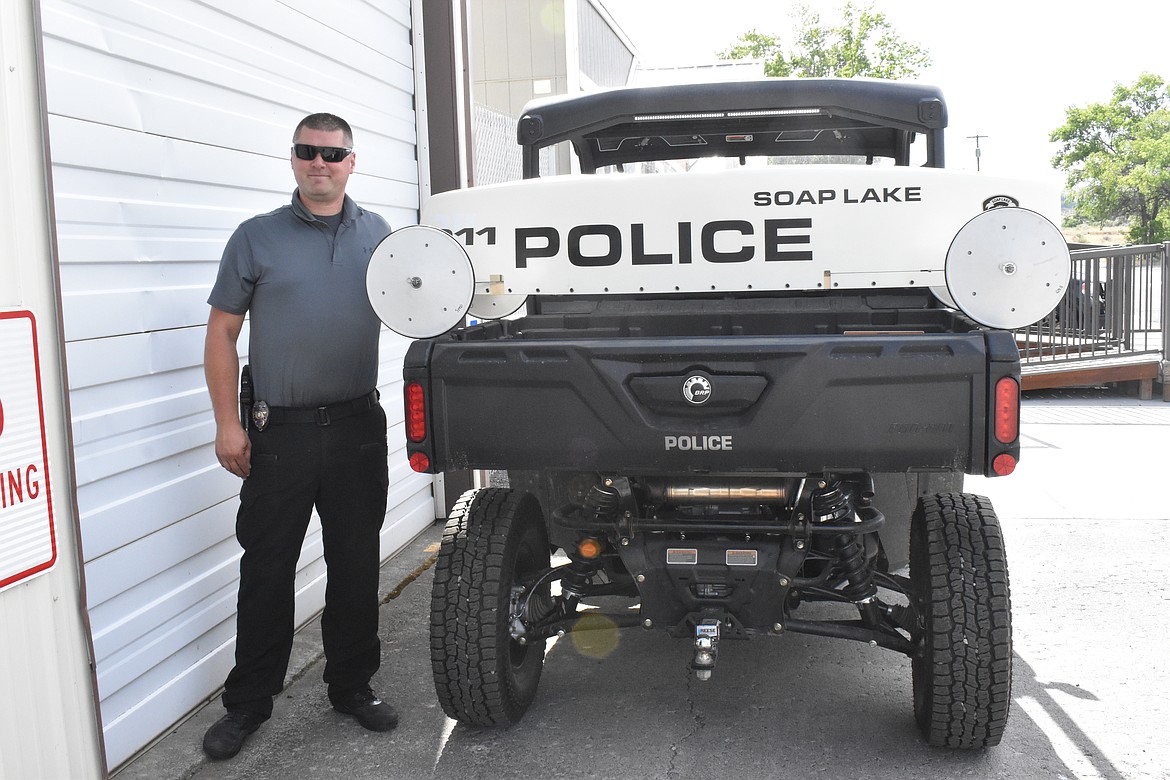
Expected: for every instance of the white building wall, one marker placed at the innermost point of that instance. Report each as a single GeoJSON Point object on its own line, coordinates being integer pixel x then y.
{"type": "Point", "coordinates": [170, 123]}
{"type": "Point", "coordinates": [48, 716]}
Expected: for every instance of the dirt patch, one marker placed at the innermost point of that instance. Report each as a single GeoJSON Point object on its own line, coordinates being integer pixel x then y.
{"type": "Point", "coordinates": [1104, 235]}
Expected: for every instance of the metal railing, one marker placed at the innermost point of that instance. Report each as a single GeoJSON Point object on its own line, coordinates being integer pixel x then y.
{"type": "Point", "coordinates": [1115, 311]}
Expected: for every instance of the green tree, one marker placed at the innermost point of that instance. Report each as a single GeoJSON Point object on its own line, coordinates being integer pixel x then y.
{"type": "Point", "coordinates": [863, 43]}
{"type": "Point", "coordinates": [1117, 158]}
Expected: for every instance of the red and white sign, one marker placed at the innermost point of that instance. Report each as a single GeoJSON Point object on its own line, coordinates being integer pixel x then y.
{"type": "Point", "coordinates": [28, 543]}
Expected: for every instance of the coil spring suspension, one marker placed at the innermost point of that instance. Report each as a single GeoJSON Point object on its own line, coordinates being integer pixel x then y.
{"type": "Point", "coordinates": [834, 503]}
{"type": "Point", "coordinates": [831, 503]}
{"type": "Point", "coordinates": [602, 502]}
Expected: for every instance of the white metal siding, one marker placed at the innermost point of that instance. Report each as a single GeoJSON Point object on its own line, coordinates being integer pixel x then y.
{"type": "Point", "coordinates": [606, 60]}
{"type": "Point", "coordinates": [170, 124]}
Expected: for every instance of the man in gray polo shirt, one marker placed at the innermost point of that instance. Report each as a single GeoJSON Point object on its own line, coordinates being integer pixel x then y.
{"type": "Point", "coordinates": [316, 433]}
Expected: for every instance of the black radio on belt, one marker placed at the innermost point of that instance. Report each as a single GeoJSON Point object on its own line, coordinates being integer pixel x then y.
{"type": "Point", "coordinates": [246, 397]}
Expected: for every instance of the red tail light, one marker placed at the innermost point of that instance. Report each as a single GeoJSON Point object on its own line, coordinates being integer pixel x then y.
{"type": "Point", "coordinates": [1003, 465]}
{"type": "Point", "coordinates": [416, 412]}
{"type": "Point", "coordinates": [420, 462]}
{"type": "Point", "coordinates": [1007, 410]}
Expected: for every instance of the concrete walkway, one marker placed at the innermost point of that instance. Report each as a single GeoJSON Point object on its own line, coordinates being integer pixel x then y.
{"type": "Point", "coordinates": [1087, 529]}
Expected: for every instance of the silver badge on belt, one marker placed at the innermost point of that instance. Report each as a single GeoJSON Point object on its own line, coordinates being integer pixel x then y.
{"type": "Point", "coordinates": [260, 415]}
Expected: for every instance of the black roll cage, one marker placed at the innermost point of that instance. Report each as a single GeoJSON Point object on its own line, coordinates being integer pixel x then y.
{"type": "Point", "coordinates": [767, 117]}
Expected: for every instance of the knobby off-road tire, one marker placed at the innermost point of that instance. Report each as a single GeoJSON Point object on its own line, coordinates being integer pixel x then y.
{"type": "Point", "coordinates": [493, 539]}
{"type": "Point", "coordinates": [963, 670]}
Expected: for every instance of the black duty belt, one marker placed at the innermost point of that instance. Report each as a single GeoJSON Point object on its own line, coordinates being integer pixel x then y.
{"type": "Point", "coordinates": [321, 415]}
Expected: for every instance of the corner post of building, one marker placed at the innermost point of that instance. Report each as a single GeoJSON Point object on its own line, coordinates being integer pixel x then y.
{"type": "Point", "coordinates": [50, 724]}
{"type": "Point", "coordinates": [1164, 371]}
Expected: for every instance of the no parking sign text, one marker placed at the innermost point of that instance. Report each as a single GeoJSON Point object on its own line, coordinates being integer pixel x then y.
{"type": "Point", "coordinates": [28, 544]}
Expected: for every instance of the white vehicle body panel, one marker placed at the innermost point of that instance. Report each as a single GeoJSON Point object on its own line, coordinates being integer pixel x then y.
{"type": "Point", "coordinates": [799, 227]}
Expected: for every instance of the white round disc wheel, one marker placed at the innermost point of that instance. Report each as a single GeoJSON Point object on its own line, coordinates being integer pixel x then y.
{"type": "Point", "coordinates": [420, 281]}
{"type": "Point", "coordinates": [487, 306]}
{"type": "Point", "coordinates": [1008, 268]}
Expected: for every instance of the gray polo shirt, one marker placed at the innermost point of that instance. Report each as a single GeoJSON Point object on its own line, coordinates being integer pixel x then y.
{"type": "Point", "coordinates": [314, 335]}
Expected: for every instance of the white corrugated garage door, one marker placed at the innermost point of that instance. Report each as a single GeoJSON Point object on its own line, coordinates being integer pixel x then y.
{"type": "Point", "coordinates": [169, 124]}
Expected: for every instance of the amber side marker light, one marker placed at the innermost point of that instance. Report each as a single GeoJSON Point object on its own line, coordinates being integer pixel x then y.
{"type": "Point", "coordinates": [589, 548]}
{"type": "Point", "coordinates": [416, 412]}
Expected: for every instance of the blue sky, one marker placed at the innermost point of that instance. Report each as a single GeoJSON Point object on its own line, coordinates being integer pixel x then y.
{"type": "Point", "coordinates": [1008, 70]}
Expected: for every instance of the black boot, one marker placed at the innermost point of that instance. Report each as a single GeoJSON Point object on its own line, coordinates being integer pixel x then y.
{"type": "Point", "coordinates": [225, 738]}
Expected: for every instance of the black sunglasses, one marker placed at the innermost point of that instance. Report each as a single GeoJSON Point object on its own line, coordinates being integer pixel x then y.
{"type": "Point", "coordinates": [330, 154]}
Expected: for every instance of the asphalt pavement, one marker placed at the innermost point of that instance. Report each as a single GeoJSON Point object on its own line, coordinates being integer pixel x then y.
{"type": "Point", "coordinates": [1087, 531]}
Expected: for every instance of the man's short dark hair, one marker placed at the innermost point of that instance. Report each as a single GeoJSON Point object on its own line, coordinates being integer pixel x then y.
{"type": "Point", "coordinates": [327, 123]}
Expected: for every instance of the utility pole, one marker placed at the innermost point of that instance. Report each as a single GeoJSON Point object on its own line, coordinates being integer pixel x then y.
{"type": "Point", "coordinates": [978, 151]}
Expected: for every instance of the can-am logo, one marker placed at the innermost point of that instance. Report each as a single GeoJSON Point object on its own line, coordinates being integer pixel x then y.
{"type": "Point", "coordinates": [697, 390]}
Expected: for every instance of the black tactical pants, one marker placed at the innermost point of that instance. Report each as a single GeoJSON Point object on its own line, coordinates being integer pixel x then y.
{"type": "Point", "coordinates": [340, 468]}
